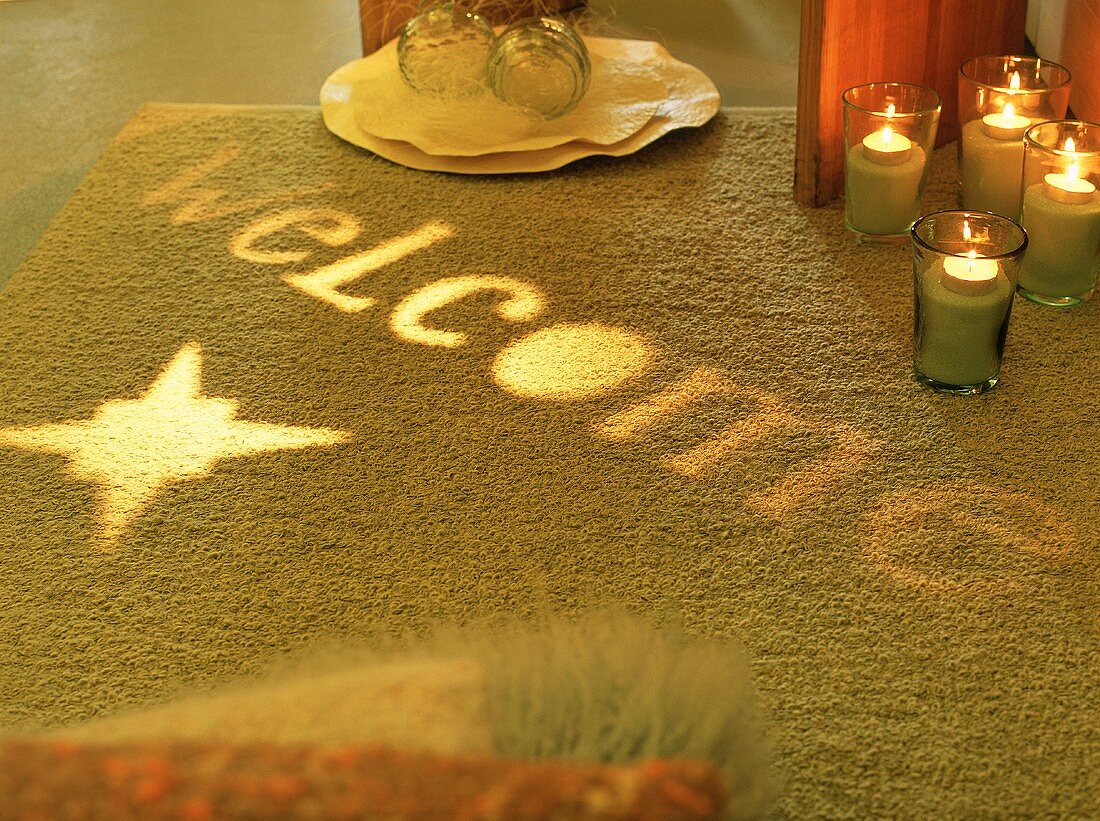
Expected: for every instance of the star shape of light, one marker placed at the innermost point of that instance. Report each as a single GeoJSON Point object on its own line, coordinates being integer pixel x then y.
{"type": "Point", "coordinates": [132, 448]}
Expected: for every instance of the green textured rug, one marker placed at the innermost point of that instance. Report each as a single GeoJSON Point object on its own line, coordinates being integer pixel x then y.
{"type": "Point", "coordinates": [260, 387]}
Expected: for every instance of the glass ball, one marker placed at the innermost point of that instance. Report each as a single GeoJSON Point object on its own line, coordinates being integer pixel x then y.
{"type": "Point", "coordinates": [541, 66]}
{"type": "Point", "coordinates": [443, 51]}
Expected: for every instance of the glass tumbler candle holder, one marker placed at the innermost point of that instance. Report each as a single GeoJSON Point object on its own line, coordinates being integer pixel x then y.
{"type": "Point", "coordinates": [1061, 212]}
{"type": "Point", "coordinates": [889, 133]}
{"type": "Point", "coordinates": [965, 269]}
{"type": "Point", "coordinates": [540, 65]}
{"type": "Point", "coordinates": [999, 99]}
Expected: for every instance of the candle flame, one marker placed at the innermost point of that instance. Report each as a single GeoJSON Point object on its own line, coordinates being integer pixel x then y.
{"type": "Point", "coordinates": [887, 130]}
{"type": "Point", "coordinates": [971, 255]}
{"type": "Point", "coordinates": [1009, 112]}
{"type": "Point", "coordinates": [1073, 172]}
{"type": "Point", "coordinates": [1014, 80]}
{"type": "Point", "coordinates": [966, 231]}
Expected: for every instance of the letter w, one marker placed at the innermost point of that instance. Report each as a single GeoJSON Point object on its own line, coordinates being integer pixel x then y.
{"type": "Point", "coordinates": [199, 203]}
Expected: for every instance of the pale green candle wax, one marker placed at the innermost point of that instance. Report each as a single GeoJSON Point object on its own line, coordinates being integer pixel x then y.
{"type": "Point", "coordinates": [1063, 252]}
{"type": "Point", "coordinates": [883, 200]}
{"type": "Point", "coordinates": [992, 168]}
{"type": "Point", "coordinates": [960, 334]}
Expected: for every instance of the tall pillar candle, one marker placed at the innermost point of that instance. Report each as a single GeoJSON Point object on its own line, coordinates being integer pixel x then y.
{"type": "Point", "coordinates": [1062, 218]}
{"type": "Point", "coordinates": [992, 157]}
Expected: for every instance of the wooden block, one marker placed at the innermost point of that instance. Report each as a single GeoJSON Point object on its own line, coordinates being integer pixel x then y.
{"type": "Point", "coordinates": [1080, 53]}
{"type": "Point", "coordinates": [850, 42]}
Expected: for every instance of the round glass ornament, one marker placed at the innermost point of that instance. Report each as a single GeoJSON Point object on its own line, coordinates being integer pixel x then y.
{"type": "Point", "coordinates": [444, 50]}
{"type": "Point", "coordinates": [540, 65]}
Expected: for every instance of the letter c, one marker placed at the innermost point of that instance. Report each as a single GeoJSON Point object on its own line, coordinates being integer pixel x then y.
{"type": "Point", "coordinates": [523, 303]}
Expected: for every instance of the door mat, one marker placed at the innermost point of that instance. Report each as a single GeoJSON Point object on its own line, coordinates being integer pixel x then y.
{"type": "Point", "coordinates": [261, 388]}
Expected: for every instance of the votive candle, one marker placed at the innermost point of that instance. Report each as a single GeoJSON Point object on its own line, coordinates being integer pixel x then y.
{"type": "Point", "coordinates": [890, 129]}
{"type": "Point", "coordinates": [1061, 213]}
{"type": "Point", "coordinates": [965, 268]}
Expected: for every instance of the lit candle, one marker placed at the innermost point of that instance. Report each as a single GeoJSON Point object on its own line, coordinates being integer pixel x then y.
{"type": "Point", "coordinates": [1062, 218]}
{"type": "Point", "coordinates": [886, 146]}
{"type": "Point", "coordinates": [1068, 187]}
{"type": "Point", "coordinates": [882, 185]}
{"type": "Point", "coordinates": [1026, 103]}
{"type": "Point", "coordinates": [970, 274]}
{"type": "Point", "coordinates": [1005, 125]}
{"type": "Point", "coordinates": [993, 161]}
{"type": "Point", "coordinates": [963, 305]}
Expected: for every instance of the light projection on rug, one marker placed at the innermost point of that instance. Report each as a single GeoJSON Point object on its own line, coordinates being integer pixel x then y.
{"type": "Point", "coordinates": [767, 416]}
{"type": "Point", "coordinates": [324, 282]}
{"type": "Point", "coordinates": [132, 448]}
{"type": "Point", "coordinates": [199, 204]}
{"type": "Point", "coordinates": [562, 361]}
{"type": "Point", "coordinates": [912, 534]}
{"type": "Point", "coordinates": [571, 361]}
{"type": "Point", "coordinates": [328, 226]}
{"type": "Point", "coordinates": [524, 302]}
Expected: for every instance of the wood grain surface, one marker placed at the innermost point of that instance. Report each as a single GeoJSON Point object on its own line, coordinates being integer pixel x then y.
{"type": "Point", "coordinates": [849, 42]}
{"type": "Point", "coordinates": [1080, 52]}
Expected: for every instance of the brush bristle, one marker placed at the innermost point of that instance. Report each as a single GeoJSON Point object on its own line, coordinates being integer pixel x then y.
{"type": "Point", "coordinates": [612, 688]}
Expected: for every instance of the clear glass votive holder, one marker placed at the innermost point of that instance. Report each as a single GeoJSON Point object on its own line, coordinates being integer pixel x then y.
{"type": "Point", "coordinates": [965, 269]}
{"type": "Point", "coordinates": [889, 133]}
{"type": "Point", "coordinates": [1000, 97]}
{"type": "Point", "coordinates": [1061, 212]}
{"type": "Point", "coordinates": [540, 65]}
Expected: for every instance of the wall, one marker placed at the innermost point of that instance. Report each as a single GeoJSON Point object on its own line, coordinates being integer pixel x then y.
{"type": "Point", "coordinates": [1068, 32]}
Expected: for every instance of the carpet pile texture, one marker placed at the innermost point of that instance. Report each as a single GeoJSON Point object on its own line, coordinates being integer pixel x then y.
{"type": "Point", "coordinates": [261, 388]}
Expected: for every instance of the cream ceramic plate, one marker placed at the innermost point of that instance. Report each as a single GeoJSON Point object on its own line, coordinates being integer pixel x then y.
{"type": "Point", "coordinates": [692, 100]}
{"type": "Point", "coordinates": [623, 95]}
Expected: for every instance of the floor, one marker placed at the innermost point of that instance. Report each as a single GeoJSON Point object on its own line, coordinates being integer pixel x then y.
{"type": "Point", "coordinates": [75, 70]}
